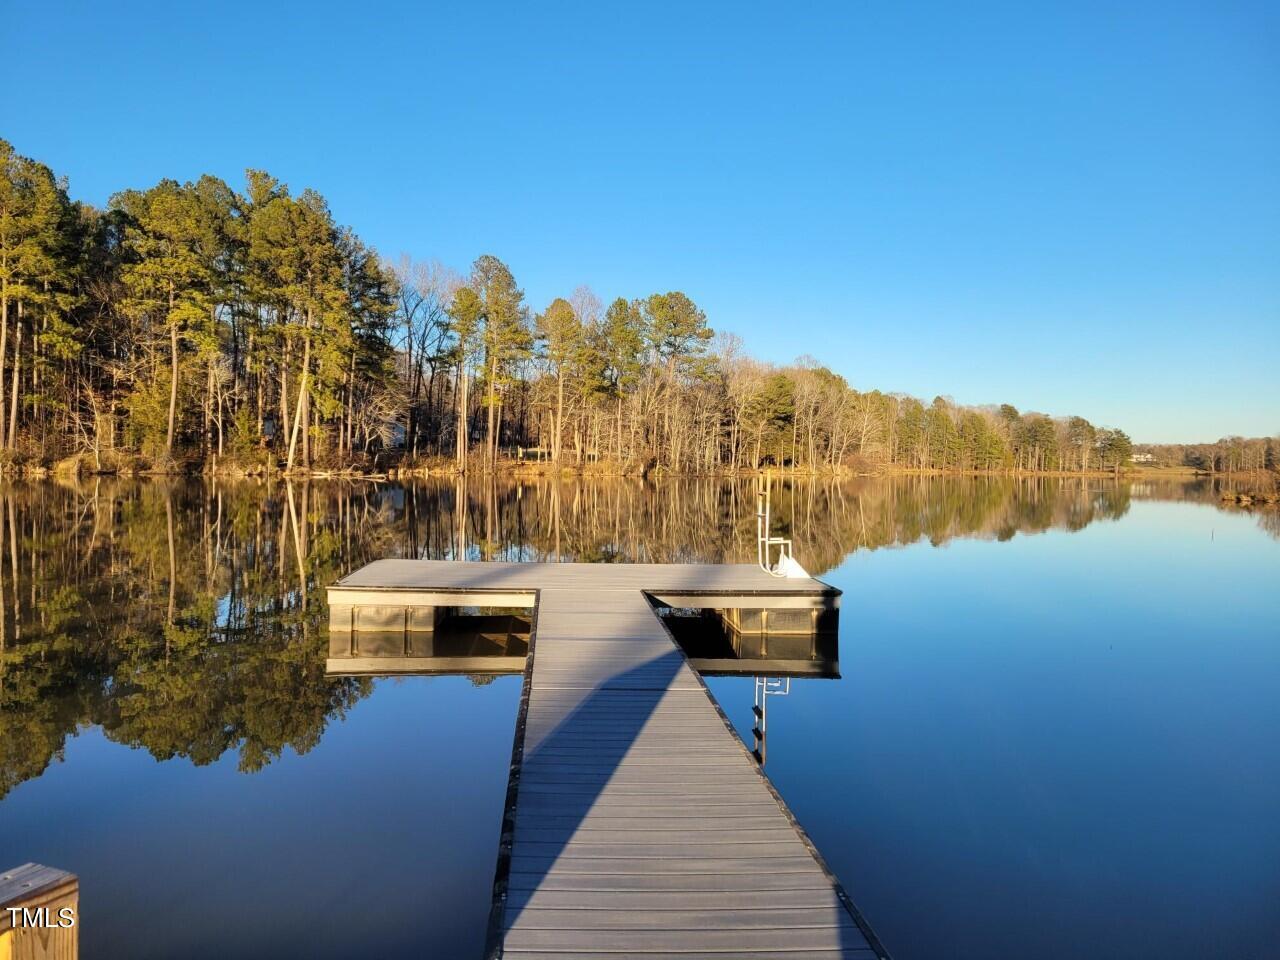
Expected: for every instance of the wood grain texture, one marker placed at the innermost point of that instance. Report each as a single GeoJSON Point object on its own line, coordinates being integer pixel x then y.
{"type": "Point", "coordinates": [35, 887]}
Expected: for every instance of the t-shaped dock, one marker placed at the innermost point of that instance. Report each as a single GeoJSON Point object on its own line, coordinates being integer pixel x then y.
{"type": "Point", "coordinates": [637, 824]}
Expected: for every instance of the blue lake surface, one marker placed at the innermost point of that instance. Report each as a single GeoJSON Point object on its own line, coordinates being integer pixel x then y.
{"type": "Point", "coordinates": [379, 840]}
{"type": "Point", "coordinates": [1063, 745]}
{"type": "Point", "coordinates": [1054, 734]}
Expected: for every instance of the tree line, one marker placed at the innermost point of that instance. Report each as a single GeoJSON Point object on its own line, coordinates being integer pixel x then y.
{"type": "Point", "coordinates": [193, 323]}
{"type": "Point", "coordinates": [1228, 455]}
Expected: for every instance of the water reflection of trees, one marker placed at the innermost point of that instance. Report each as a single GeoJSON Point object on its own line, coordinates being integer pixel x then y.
{"type": "Point", "coordinates": [188, 619]}
{"type": "Point", "coordinates": [714, 521]}
{"type": "Point", "coordinates": [173, 617]}
{"type": "Point", "coordinates": [1209, 492]}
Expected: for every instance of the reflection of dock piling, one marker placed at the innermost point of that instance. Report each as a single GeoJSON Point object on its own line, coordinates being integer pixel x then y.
{"type": "Point", "coordinates": [636, 820]}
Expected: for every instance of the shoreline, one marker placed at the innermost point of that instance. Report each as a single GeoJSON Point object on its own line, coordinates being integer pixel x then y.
{"type": "Point", "coordinates": [1253, 487]}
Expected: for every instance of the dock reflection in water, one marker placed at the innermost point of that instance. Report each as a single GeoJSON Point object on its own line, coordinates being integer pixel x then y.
{"type": "Point", "coordinates": [464, 641]}
{"type": "Point", "coordinates": [774, 646]}
{"type": "Point", "coordinates": [758, 642]}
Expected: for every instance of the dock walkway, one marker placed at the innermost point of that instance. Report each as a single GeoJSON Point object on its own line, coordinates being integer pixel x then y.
{"type": "Point", "coordinates": [637, 823]}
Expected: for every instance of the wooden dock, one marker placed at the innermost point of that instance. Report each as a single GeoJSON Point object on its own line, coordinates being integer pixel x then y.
{"type": "Point", "coordinates": [39, 913]}
{"type": "Point", "coordinates": [637, 823]}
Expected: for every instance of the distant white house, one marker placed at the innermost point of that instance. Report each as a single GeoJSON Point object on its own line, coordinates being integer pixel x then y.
{"type": "Point", "coordinates": [1143, 458]}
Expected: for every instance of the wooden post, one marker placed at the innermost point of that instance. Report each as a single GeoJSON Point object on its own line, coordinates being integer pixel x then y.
{"type": "Point", "coordinates": [39, 914]}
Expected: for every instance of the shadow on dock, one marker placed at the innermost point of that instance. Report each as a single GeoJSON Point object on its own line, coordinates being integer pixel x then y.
{"type": "Point", "coordinates": [571, 773]}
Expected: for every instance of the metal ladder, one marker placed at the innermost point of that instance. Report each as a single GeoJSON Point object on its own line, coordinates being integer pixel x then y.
{"type": "Point", "coordinates": [766, 687]}
{"type": "Point", "coordinates": [764, 541]}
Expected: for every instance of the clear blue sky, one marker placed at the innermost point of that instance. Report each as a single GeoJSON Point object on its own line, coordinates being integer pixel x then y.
{"type": "Point", "coordinates": [1071, 207]}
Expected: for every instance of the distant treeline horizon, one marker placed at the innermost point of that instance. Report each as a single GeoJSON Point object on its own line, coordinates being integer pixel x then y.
{"type": "Point", "coordinates": [1234, 454]}
{"type": "Point", "coordinates": [191, 321]}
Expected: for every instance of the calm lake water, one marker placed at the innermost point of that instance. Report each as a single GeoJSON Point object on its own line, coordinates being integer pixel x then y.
{"type": "Point", "coordinates": [1054, 733]}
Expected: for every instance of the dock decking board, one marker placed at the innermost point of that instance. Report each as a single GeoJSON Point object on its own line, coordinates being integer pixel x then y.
{"type": "Point", "coordinates": [637, 823]}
